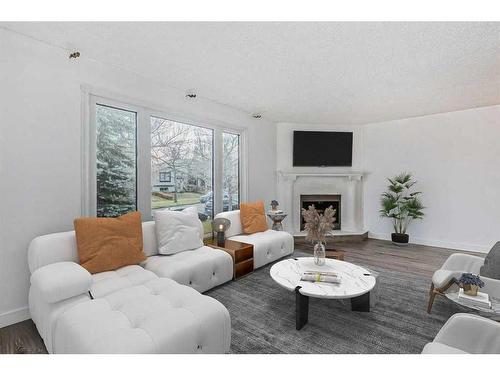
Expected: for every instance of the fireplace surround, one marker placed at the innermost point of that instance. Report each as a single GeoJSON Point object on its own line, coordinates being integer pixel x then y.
{"type": "Point", "coordinates": [347, 185]}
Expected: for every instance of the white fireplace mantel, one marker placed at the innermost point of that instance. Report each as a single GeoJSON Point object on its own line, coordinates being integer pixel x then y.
{"type": "Point", "coordinates": [348, 175]}
{"type": "Point", "coordinates": [346, 184]}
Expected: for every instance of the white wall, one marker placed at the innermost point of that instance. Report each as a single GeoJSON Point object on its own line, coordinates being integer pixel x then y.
{"type": "Point", "coordinates": [455, 157]}
{"type": "Point", "coordinates": [40, 151]}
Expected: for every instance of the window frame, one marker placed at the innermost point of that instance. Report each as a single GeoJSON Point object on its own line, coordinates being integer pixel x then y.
{"type": "Point", "coordinates": [144, 110]}
{"type": "Point", "coordinates": [239, 163]}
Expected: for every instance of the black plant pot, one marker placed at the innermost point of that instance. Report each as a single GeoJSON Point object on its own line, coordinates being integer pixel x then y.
{"type": "Point", "coordinates": [400, 238]}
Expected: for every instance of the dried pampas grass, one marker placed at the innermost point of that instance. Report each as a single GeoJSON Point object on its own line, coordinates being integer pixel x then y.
{"type": "Point", "coordinates": [318, 226]}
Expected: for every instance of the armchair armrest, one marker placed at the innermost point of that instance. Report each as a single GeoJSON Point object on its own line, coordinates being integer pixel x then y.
{"type": "Point", "coordinates": [463, 263]}
{"type": "Point", "coordinates": [62, 280]}
{"type": "Point", "coordinates": [470, 333]}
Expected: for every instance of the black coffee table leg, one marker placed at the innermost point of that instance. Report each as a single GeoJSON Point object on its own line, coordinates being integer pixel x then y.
{"type": "Point", "coordinates": [361, 303]}
{"type": "Point", "coordinates": [301, 309]}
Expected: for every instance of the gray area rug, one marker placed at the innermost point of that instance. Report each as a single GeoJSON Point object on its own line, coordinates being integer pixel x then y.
{"type": "Point", "coordinates": [263, 317]}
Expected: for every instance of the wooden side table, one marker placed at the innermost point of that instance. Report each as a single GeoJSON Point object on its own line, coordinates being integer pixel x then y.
{"type": "Point", "coordinates": [242, 254]}
{"type": "Point", "coordinates": [334, 254]}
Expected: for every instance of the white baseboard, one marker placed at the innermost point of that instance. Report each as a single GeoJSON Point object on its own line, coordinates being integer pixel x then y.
{"type": "Point", "coordinates": [14, 316]}
{"type": "Point", "coordinates": [436, 243]}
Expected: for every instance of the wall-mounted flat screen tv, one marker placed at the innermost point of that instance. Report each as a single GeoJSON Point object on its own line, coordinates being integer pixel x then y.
{"type": "Point", "coordinates": [322, 149]}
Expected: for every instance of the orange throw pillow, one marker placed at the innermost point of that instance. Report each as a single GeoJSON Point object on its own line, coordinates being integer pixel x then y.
{"type": "Point", "coordinates": [106, 244]}
{"type": "Point", "coordinates": [253, 217]}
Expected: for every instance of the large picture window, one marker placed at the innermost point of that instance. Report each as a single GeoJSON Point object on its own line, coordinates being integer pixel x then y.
{"type": "Point", "coordinates": [116, 161]}
{"type": "Point", "coordinates": [137, 158]}
{"type": "Point", "coordinates": [185, 152]}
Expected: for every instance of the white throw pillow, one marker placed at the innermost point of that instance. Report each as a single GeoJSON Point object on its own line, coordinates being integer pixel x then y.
{"type": "Point", "coordinates": [178, 231]}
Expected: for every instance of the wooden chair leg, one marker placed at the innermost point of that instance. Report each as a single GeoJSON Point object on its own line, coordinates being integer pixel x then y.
{"type": "Point", "coordinates": [432, 295]}
{"type": "Point", "coordinates": [447, 286]}
{"type": "Point", "coordinates": [434, 291]}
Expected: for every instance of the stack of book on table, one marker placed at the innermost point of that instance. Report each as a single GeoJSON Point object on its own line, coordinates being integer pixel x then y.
{"type": "Point", "coordinates": [321, 277]}
{"type": "Point", "coordinates": [481, 300]}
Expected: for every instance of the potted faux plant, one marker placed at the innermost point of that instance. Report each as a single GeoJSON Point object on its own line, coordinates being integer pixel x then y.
{"type": "Point", "coordinates": [401, 205]}
{"type": "Point", "coordinates": [470, 283]}
{"type": "Point", "coordinates": [318, 226]}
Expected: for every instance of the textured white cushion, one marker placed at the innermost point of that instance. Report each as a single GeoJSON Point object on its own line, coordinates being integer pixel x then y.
{"type": "Point", "coordinates": [178, 231]}
{"type": "Point", "coordinates": [466, 333]}
{"type": "Point", "coordinates": [150, 246]}
{"type": "Point", "coordinates": [454, 266]}
{"type": "Point", "coordinates": [58, 281]}
{"type": "Point", "coordinates": [104, 283]}
{"type": "Point", "coordinates": [268, 246]}
{"type": "Point", "coordinates": [234, 217]}
{"type": "Point", "coordinates": [201, 269]}
{"type": "Point", "coordinates": [153, 316]}
{"type": "Point", "coordinates": [438, 348]}
{"type": "Point", "coordinates": [52, 248]}
{"type": "Point", "coordinates": [442, 277]}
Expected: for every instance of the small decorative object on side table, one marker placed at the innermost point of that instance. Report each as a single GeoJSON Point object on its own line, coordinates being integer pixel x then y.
{"type": "Point", "coordinates": [220, 225]}
{"type": "Point", "coordinates": [242, 254]}
{"type": "Point", "coordinates": [470, 283]}
{"type": "Point", "coordinates": [274, 205]}
{"type": "Point", "coordinates": [277, 217]}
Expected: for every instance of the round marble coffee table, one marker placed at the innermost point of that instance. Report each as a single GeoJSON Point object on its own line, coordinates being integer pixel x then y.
{"type": "Point", "coordinates": [356, 284]}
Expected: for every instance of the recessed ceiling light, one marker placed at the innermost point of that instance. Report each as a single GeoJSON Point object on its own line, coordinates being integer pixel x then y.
{"type": "Point", "coordinates": [190, 94]}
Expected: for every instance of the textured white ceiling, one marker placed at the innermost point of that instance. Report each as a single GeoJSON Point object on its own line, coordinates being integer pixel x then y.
{"type": "Point", "coordinates": [338, 73]}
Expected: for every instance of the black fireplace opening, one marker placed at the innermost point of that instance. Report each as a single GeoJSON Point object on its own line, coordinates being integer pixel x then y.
{"type": "Point", "coordinates": [321, 203]}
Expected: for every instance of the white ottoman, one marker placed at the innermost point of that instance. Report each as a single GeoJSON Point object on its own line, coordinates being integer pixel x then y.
{"type": "Point", "coordinates": [134, 311]}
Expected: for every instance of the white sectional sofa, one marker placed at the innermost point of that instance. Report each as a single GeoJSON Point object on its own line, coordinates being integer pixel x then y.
{"type": "Point", "coordinates": [268, 246]}
{"type": "Point", "coordinates": [201, 269]}
{"type": "Point", "coordinates": [135, 309]}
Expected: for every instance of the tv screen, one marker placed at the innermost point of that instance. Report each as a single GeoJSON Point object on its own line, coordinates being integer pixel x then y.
{"type": "Point", "coordinates": [322, 149]}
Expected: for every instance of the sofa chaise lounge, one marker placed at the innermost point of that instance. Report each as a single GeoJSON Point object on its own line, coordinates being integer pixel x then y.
{"type": "Point", "coordinates": [135, 309]}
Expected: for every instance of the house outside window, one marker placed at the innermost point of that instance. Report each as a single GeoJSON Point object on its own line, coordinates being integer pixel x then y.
{"type": "Point", "coordinates": [165, 176]}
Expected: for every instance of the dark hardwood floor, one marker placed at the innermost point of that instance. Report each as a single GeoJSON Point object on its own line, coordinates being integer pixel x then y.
{"type": "Point", "coordinates": [415, 259]}
{"type": "Point", "coordinates": [21, 338]}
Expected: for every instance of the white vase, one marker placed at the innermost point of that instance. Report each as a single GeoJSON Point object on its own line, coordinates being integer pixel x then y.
{"type": "Point", "coordinates": [319, 254]}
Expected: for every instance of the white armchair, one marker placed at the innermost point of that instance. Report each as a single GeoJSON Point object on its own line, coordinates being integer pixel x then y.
{"type": "Point", "coordinates": [452, 269]}
{"type": "Point", "coordinates": [466, 333]}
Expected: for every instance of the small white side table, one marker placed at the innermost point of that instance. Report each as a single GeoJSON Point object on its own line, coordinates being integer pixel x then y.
{"type": "Point", "coordinates": [277, 218]}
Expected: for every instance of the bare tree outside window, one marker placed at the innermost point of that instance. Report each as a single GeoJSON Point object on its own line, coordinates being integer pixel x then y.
{"type": "Point", "coordinates": [230, 171]}
{"type": "Point", "coordinates": [185, 151]}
